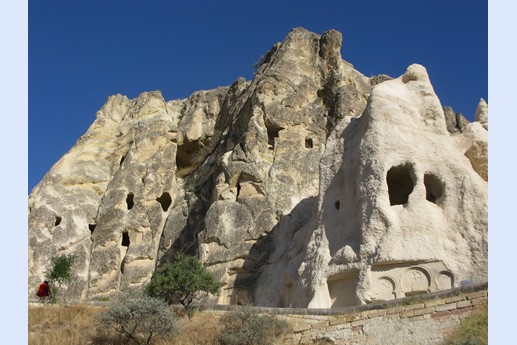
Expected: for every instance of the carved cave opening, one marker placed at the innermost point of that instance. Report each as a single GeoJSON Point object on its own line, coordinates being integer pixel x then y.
{"type": "Point", "coordinates": [309, 143]}
{"type": "Point", "coordinates": [400, 184]}
{"type": "Point", "coordinates": [342, 290]}
{"type": "Point", "coordinates": [272, 133]}
{"type": "Point", "coordinates": [165, 201]}
{"type": "Point", "coordinates": [433, 188]}
{"type": "Point", "coordinates": [129, 201]}
{"type": "Point", "coordinates": [57, 221]}
{"type": "Point", "coordinates": [187, 156]}
{"type": "Point", "coordinates": [91, 227]}
{"type": "Point", "coordinates": [337, 204]}
{"type": "Point", "coordinates": [125, 239]}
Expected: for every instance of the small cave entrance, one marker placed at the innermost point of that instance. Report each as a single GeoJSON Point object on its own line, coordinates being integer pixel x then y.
{"type": "Point", "coordinates": [400, 184]}
{"type": "Point", "coordinates": [272, 133]}
{"type": "Point", "coordinates": [129, 201]}
{"type": "Point", "coordinates": [188, 156]}
{"type": "Point", "coordinates": [165, 200]}
{"type": "Point", "coordinates": [91, 227]}
{"type": "Point", "coordinates": [125, 239]}
{"type": "Point", "coordinates": [309, 144]}
{"type": "Point", "coordinates": [433, 188]}
{"type": "Point", "coordinates": [337, 204]}
{"type": "Point", "coordinates": [58, 221]}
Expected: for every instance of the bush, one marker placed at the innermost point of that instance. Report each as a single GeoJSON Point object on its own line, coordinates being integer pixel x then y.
{"type": "Point", "coordinates": [59, 273]}
{"type": "Point", "coordinates": [139, 319]}
{"type": "Point", "coordinates": [249, 328]}
{"type": "Point", "coordinates": [472, 331]}
{"type": "Point", "coordinates": [180, 280]}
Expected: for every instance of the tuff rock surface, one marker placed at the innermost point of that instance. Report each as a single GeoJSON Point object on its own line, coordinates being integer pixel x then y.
{"type": "Point", "coordinates": [311, 185]}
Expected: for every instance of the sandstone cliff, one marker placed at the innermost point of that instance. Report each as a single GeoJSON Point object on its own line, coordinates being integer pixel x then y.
{"type": "Point", "coordinates": [311, 185]}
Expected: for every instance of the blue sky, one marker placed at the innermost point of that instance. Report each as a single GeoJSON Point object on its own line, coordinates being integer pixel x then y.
{"type": "Point", "coordinates": [81, 52]}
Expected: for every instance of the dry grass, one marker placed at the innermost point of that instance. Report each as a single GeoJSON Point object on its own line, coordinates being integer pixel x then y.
{"type": "Point", "coordinates": [75, 325]}
{"type": "Point", "coordinates": [201, 329]}
{"type": "Point", "coordinates": [66, 325]}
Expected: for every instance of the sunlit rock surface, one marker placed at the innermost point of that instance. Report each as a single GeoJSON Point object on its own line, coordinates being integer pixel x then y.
{"type": "Point", "coordinates": [311, 185]}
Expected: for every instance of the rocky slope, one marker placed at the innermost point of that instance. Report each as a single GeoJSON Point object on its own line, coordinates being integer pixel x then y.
{"type": "Point", "coordinates": [311, 185]}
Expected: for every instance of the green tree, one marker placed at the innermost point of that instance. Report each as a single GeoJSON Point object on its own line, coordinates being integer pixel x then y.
{"type": "Point", "coordinates": [138, 318]}
{"type": "Point", "coordinates": [60, 272]}
{"type": "Point", "coordinates": [180, 280]}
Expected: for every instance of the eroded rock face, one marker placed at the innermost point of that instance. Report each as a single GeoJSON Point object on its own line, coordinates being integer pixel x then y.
{"type": "Point", "coordinates": [310, 185]}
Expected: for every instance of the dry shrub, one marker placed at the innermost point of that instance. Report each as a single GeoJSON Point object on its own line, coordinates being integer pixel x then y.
{"type": "Point", "coordinates": [246, 327]}
{"type": "Point", "coordinates": [139, 319]}
{"type": "Point", "coordinates": [202, 329]}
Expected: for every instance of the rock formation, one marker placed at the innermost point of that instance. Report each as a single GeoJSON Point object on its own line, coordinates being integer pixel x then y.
{"type": "Point", "coordinates": [310, 186]}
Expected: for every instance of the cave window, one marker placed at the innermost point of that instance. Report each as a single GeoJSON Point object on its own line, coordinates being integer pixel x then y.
{"type": "Point", "coordinates": [272, 133]}
{"type": "Point", "coordinates": [187, 156]}
{"type": "Point", "coordinates": [91, 227]}
{"type": "Point", "coordinates": [129, 200]}
{"type": "Point", "coordinates": [58, 221]}
{"type": "Point", "coordinates": [400, 184]}
{"type": "Point", "coordinates": [165, 200]}
{"type": "Point", "coordinates": [308, 143]}
{"type": "Point", "coordinates": [337, 204]}
{"type": "Point", "coordinates": [125, 239]}
{"type": "Point", "coordinates": [433, 188]}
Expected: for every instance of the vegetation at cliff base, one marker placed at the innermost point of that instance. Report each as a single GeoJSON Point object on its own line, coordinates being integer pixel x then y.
{"type": "Point", "coordinates": [249, 328]}
{"type": "Point", "coordinates": [60, 272]}
{"type": "Point", "coordinates": [138, 319]}
{"type": "Point", "coordinates": [180, 280]}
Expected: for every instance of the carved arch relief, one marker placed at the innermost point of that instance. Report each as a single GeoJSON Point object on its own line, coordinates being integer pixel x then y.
{"type": "Point", "coordinates": [415, 280]}
{"type": "Point", "coordinates": [391, 281]}
{"type": "Point", "coordinates": [444, 280]}
{"type": "Point", "coordinates": [386, 288]}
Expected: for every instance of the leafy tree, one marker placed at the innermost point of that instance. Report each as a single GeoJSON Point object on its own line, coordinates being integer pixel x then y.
{"type": "Point", "coordinates": [180, 280]}
{"type": "Point", "coordinates": [139, 319]}
{"type": "Point", "coordinates": [60, 272]}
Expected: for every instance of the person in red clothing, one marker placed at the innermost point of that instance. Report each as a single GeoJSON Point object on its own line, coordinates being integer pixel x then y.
{"type": "Point", "coordinates": [44, 292]}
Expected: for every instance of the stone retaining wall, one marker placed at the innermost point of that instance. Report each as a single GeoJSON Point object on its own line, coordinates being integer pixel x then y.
{"type": "Point", "coordinates": [423, 319]}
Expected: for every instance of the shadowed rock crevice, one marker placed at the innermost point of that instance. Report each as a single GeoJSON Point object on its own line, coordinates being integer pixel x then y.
{"type": "Point", "coordinates": [433, 188]}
